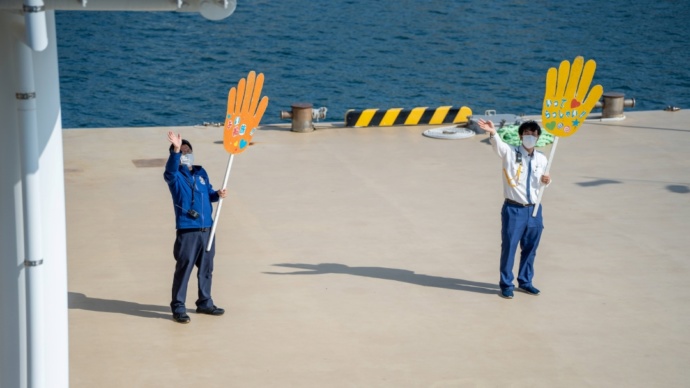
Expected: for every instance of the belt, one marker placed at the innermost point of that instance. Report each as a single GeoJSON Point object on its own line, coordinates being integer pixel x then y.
{"type": "Point", "coordinates": [510, 201]}
{"type": "Point", "coordinates": [183, 231]}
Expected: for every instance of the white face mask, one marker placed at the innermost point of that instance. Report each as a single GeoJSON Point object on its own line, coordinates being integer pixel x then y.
{"type": "Point", "coordinates": [187, 159]}
{"type": "Point", "coordinates": [529, 141]}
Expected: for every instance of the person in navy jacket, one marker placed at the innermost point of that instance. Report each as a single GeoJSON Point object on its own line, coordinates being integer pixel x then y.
{"type": "Point", "coordinates": [192, 195]}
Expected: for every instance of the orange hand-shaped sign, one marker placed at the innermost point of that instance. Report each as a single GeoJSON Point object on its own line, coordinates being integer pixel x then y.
{"type": "Point", "coordinates": [244, 112]}
{"type": "Point", "coordinates": [565, 106]}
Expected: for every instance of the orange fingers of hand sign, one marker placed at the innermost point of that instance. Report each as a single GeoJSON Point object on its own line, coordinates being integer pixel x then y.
{"type": "Point", "coordinates": [244, 113]}
{"type": "Point", "coordinates": [565, 106]}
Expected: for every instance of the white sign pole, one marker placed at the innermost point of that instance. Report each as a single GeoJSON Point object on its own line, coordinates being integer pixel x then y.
{"type": "Point", "coordinates": [548, 167]}
{"type": "Point", "coordinates": [220, 204]}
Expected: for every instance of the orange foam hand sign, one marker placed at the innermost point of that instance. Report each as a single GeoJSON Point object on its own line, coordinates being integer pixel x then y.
{"type": "Point", "coordinates": [566, 101]}
{"type": "Point", "coordinates": [244, 112]}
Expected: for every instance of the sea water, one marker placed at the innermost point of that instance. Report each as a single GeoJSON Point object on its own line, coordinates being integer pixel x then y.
{"type": "Point", "coordinates": [122, 69]}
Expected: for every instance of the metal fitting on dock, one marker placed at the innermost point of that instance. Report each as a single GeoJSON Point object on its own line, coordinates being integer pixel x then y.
{"type": "Point", "coordinates": [302, 115]}
{"type": "Point", "coordinates": [612, 105]}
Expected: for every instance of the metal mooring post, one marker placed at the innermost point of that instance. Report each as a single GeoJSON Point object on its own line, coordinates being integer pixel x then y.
{"type": "Point", "coordinates": [301, 116]}
{"type": "Point", "coordinates": [613, 103]}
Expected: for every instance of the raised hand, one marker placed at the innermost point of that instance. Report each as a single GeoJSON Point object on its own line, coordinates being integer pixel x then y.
{"type": "Point", "coordinates": [565, 106]}
{"type": "Point", "coordinates": [487, 126]}
{"type": "Point", "coordinates": [175, 140]}
{"type": "Point", "coordinates": [244, 113]}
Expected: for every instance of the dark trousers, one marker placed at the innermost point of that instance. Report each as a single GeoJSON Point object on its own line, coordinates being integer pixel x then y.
{"type": "Point", "coordinates": [519, 227]}
{"type": "Point", "coordinates": [190, 251]}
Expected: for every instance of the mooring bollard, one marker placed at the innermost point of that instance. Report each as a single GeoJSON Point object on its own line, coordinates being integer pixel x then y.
{"type": "Point", "coordinates": [612, 105]}
{"type": "Point", "coordinates": [301, 116]}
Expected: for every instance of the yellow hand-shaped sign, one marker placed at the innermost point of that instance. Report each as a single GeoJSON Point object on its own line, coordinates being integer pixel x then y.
{"type": "Point", "coordinates": [565, 106]}
{"type": "Point", "coordinates": [244, 113]}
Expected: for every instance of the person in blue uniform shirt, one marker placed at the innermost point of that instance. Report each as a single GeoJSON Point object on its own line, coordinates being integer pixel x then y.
{"type": "Point", "coordinates": [524, 174]}
{"type": "Point", "coordinates": [192, 195]}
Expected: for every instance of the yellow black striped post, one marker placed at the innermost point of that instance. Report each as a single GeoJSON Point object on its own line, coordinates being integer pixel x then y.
{"type": "Point", "coordinates": [400, 116]}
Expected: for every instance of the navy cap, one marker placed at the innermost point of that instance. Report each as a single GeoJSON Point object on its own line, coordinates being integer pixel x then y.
{"type": "Point", "coordinates": [184, 141]}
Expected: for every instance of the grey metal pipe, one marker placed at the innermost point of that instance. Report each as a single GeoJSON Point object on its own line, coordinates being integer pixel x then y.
{"type": "Point", "coordinates": [35, 24]}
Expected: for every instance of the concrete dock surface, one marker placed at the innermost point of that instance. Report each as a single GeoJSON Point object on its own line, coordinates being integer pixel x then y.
{"type": "Point", "coordinates": [368, 257]}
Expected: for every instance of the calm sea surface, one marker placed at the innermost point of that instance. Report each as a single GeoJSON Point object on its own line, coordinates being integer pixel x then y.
{"type": "Point", "coordinates": [121, 69]}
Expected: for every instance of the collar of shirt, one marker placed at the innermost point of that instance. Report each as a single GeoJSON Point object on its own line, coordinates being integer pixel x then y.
{"type": "Point", "coordinates": [524, 151]}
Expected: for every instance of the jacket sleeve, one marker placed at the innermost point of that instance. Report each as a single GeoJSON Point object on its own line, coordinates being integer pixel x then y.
{"type": "Point", "coordinates": [171, 167]}
{"type": "Point", "coordinates": [214, 196]}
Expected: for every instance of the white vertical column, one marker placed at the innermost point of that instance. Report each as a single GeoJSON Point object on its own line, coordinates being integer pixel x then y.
{"type": "Point", "coordinates": [12, 286]}
{"type": "Point", "coordinates": [31, 207]}
{"type": "Point", "coordinates": [52, 199]}
{"type": "Point", "coordinates": [43, 354]}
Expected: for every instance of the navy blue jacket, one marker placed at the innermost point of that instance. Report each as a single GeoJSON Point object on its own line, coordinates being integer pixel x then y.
{"type": "Point", "coordinates": [185, 185]}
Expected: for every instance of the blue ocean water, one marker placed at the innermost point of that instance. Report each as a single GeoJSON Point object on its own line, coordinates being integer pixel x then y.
{"type": "Point", "coordinates": [121, 69]}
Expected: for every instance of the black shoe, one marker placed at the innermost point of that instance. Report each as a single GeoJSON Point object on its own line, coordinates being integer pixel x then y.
{"type": "Point", "coordinates": [210, 311]}
{"type": "Point", "coordinates": [507, 294]}
{"type": "Point", "coordinates": [181, 317]}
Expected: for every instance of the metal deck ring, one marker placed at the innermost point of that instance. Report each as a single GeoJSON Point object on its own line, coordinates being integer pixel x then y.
{"type": "Point", "coordinates": [25, 96]}
{"type": "Point", "coordinates": [33, 8]}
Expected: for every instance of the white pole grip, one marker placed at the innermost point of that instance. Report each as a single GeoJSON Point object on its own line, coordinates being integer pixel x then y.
{"type": "Point", "coordinates": [548, 167]}
{"type": "Point", "coordinates": [220, 204]}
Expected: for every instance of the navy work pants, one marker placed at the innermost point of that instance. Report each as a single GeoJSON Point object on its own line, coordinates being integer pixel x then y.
{"type": "Point", "coordinates": [519, 227]}
{"type": "Point", "coordinates": [190, 251]}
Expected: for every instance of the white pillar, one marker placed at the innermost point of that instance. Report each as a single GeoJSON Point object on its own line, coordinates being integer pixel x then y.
{"type": "Point", "coordinates": [54, 235]}
{"type": "Point", "coordinates": [53, 346]}
{"type": "Point", "coordinates": [12, 295]}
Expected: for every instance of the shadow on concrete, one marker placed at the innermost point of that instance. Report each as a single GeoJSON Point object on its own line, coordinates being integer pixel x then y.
{"type": "Point", "coordinates": [673, 188]}
{"type": "Point", "coordinates": [82, 302]}
{"type": "Point", "coordinates": [678, 189]}
{"type": "Point", "coordinates": [598, 182]}
{"type": "Point", "coordinates": [399, 275]}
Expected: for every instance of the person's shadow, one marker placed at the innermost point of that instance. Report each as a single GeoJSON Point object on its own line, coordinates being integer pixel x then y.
{"type": "Point", "coordinates": [82, 302]}
{"type": "Point", "coordinates": [399, 275]}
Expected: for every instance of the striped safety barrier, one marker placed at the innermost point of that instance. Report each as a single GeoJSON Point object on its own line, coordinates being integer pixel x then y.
{"type": "Point", "coordinates": [400, 116]}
